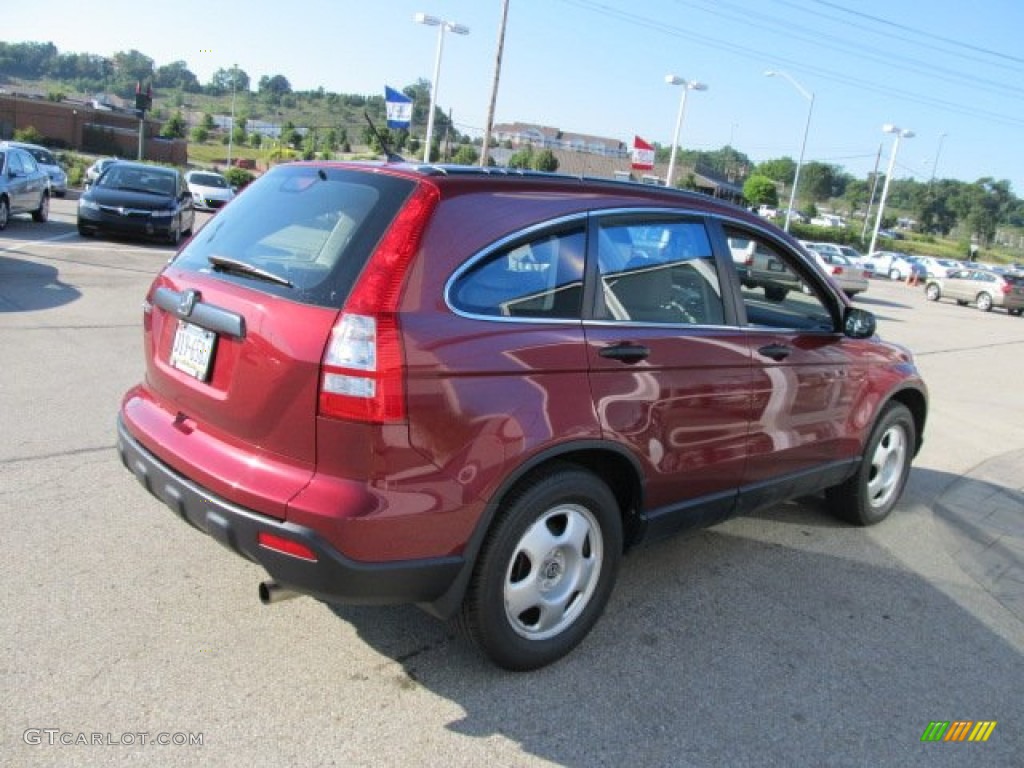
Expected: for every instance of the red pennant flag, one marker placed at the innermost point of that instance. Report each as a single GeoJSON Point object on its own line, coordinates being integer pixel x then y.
{"type": "Point", "coordinates": [643, 155]}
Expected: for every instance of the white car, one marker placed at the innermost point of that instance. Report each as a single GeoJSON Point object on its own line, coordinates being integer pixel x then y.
{"type": "Point", "coordinates": [936, 267]}
{"type": "Point", "coordinates": [210, 190]}
{"type": "Point", "coordinates": [96, 170]}
{"type": "Point", "coordinates": [892, 264]}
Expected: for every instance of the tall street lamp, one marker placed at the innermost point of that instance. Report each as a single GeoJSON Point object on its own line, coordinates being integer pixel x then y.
{"type": "Point", "coordinates": [688, 85]}
{"type": "Point", "coordinates": [803, 144]}
{"type": "Point", "coordinates": [231, 130]}
{"type": "Point", "coordinates": [443, 26]}
{"type": "Point", "coordinates": [900, 134]}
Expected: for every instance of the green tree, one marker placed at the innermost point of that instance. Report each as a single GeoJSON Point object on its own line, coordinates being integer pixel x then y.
{"type": "Point", "coordinates": [200, 135]}
{"type": "Point", "coordinates": [466, 156]}
{"type": "Point", "coordinates": [176, 75]}
{"type": "Point", "coordinates": [132, 67]}
{"type": "Point", "coordinates": [224, 80]}
{"type": "Point", "coordinates": [781, 169]}
{"type": "Point", "coordinates": [760, 190]}
{"type": "Point", "coordinates": [29, 134]}
{"type": "Point", "coordinates": [545, 160]}
{"type": "Point", "coordinates": [174, 128]}
{"type": "Point", "coordinates": [522, 159]}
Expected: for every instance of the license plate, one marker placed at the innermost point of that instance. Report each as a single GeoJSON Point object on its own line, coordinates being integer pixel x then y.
{"type": "Point", "coordinates": [776, 266]}
{"type": "Point", "coordinates": [193, 350]}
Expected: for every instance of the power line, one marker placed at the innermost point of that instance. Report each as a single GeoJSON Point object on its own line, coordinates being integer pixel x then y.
{"type": "Point", "coordinates": [718, 44]}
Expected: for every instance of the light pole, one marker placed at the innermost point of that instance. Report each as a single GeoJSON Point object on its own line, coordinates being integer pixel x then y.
{"type": "Point", "coordinates": [900, 134]}
{"type": "Point", "coordinates": [688, 85]}
{"type": "Point", "coordinates": [803, 144]}
{"type": "Point", "coordinates": [443, 26]}
{"type": "Point", "coordinates": [231, 129]}
{"type": "Point", "coordinates": [935, 165]}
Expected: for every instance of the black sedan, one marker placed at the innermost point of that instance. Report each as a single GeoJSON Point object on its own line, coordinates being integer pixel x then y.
{"type": "Point", "coordinates": [140, 200]}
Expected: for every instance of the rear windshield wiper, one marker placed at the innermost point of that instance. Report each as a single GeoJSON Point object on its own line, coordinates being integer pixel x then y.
{"type": "Point", "coordinates": [224, 264]}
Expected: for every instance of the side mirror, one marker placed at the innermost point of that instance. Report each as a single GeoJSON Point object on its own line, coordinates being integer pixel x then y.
{"type": "Point", "coordinates": [859, 323]}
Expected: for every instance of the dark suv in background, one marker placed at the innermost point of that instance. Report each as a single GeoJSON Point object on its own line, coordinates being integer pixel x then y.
{"type": "Point", "coordinates": [474, 390]}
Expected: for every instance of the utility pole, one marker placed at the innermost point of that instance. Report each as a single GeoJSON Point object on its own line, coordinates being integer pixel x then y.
{"type": "Point", "coordinates": [485, 149]}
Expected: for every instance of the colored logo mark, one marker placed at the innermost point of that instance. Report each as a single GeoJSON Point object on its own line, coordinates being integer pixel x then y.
{"type": "Point", "coordinates": [958, 730]}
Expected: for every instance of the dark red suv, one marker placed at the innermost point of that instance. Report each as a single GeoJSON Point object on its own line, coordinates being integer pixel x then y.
{"type": "Point", "coordinates": [473, 390]}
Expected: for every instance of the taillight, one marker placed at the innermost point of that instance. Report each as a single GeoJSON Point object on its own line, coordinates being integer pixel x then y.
{"type": "Point", "coordinates": [363, 372]}
{"type": "Point", "coordinates": [837, 270]}
{"type": "Point", "coordinates": [1005, 288]}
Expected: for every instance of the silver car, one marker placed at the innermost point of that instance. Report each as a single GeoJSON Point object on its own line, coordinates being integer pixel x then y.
{"type": "Point", "coordinates": [981, 287]}
{"type": "Point", "coordinates": [850, 277]}
{"type": "Point", "coordinates": [47, 162]}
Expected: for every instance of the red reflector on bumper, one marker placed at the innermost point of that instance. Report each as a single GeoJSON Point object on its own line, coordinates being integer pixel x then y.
{"type": "Point", "coordinates": [285, 546]}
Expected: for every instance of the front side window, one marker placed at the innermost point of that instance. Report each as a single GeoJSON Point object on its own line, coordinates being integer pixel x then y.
{"type": "Point", "coordinates": [657, 271]}
{"type": "Point", "coordinates": [774, 294]}
{"type": "Point", "coordinates": [538, 277]}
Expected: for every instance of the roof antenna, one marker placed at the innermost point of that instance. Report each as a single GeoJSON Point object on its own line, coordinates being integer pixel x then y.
{"type": "Point", "coordinates": [391, 156]}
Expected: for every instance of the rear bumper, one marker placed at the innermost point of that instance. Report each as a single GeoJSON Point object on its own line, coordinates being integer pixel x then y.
{"type": "Point", "coordinates": [331, 576]}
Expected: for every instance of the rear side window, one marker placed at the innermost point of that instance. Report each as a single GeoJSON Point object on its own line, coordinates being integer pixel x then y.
{"type": "Point", "coordinates": [308, 230]}
{"type": "Point", "coordinates": [537, 277]}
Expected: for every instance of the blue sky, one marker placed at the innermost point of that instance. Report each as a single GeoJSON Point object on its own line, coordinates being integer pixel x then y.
{"type": "Point", "coordinates": [951, 71]}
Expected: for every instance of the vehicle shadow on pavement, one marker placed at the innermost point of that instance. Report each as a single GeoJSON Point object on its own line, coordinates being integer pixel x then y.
{"type": "Point", "coordinates": [783, 638]}
{"type": "Point", "coordinates": [27, 286]}
{"type": "Point", "coordinates": [873, 301]}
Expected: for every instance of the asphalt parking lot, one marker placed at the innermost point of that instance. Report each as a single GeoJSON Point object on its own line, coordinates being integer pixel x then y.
{"type": "Point", "coordinates": [782, 639]}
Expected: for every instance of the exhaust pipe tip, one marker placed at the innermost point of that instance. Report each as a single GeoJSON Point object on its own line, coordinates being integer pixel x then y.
{"type": "Point", "coordinates": [272, 592]}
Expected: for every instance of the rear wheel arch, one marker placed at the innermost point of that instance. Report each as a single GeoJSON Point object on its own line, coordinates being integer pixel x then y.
{"type": "Point", "coordinates": [612, 464]}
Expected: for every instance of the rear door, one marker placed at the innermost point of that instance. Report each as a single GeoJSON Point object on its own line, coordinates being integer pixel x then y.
{"type": "Point", "coordinates": [669, 371]}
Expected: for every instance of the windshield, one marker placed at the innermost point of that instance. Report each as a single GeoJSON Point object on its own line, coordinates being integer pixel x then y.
{"type": "Point", "coordinates": [152, 180]}
{"type": "Point", "coordinates": [208, 180]}
{"type": "Point", "coordinates": [311, 228]}
{"type": "Point", "coordinates": [42, 156]}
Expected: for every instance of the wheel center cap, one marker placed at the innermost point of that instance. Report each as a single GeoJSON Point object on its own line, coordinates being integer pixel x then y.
{"type": "Point", "coordinates": [552, 570]}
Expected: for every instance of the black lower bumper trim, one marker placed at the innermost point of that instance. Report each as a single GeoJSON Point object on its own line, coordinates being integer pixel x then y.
{"type": "Point", "coordinates": [332, 577]}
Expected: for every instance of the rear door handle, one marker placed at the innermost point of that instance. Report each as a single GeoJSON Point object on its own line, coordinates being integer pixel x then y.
{"type": "Point", "coordinates": [776, 352]}
{"type": "Point", "coordinates": [627, 353]}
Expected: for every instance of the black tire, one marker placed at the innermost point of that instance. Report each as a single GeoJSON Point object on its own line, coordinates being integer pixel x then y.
{"type": "Point", "coordinates": [983, 302]}
{"type": "Point", "coordinates": [1015, 311]}
{"type": "Point", "coordinates": [42, 213]}
{"type": "Point", "coordinates": [775, 292]}
{"type": "Point", "coordinates": [932, 292]}
{"type": "Point", "coordinates": [83, 232]}
{"type": "Point", "coordinates": [869, 496]}
{"type": "Point", "coordinates": [546, 570]}
{"type": "Point", "coordinates": [5, 213]}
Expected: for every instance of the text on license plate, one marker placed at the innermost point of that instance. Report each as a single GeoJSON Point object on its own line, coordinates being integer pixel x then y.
{"type": "Point", "coordinates": [193, 350]}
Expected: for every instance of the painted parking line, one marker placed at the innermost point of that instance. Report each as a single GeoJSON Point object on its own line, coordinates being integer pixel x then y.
{"type": "Point", "coordinates": [61, 241]}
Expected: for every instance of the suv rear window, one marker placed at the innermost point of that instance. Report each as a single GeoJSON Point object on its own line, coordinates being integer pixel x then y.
{"type": "Point", "coordinates": [312, 228]}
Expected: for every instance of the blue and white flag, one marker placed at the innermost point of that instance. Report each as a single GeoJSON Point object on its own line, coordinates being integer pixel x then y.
{"type": "Point", "coordinates": [399, 108]}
